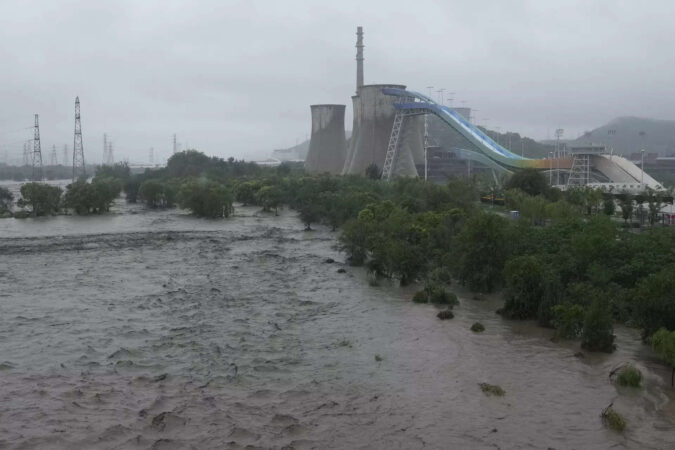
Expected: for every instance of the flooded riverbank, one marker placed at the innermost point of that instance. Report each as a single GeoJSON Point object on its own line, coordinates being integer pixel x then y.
{"type": "Point", "coordinates": [159, 330]}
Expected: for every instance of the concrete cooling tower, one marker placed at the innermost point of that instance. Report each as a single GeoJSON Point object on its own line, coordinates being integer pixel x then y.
{"type": "Point", "coordinates": [373, 119]}
{"type": "Point", "coordinates": [327, 145]}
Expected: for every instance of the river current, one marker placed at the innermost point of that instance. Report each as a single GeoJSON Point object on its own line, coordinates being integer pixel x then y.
{"type": "Point", "coordinates": [157, 330]}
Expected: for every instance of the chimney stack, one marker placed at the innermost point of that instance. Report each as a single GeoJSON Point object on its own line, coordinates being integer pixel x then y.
{"type": "Point", "coordinates": [359, 58]}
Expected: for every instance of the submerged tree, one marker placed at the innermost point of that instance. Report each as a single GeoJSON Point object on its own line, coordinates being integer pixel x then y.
{"type": "Point", "coordinates": [42, 198]}
{"type": "Point", "coordinates": [663, 343]}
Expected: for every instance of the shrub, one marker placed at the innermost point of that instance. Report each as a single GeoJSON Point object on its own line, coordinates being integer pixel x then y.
{"type": "Point", "coordinates": [41, 198]}
{"type": "Point", "coordinates": [568, 320]}
{"type": "Point", "coordinates": [445, 315]}
{"type": "Point", "coordinates": [629, 375]}
{"type": "Point", "coordinates": [477, 327]}
{"type": "Point", "coordinates": [152, 193]}
{"type": "Point", "coordinates": [663, 343]}
{"type": "Point", "coordinates": [597, 333]}
{"type": "Point", "coordinates": [206, 198]}
{"type": "Point", "coordinates": [613, 419]}
{"type": "Point", "coordinates": [6, 201]}
{"type": "Point", "coordinates": [420, 297]}
{"type": "Point", "coordinates": [438, 295]}
{"type": "Point", "coordinates": [95, 197]}
{"type": "Point", "coordinates": [492, 389]}
{"type": "Point", "coordinates": [524, 279]}
{"type": "Point", "coordinates": [654, 301]}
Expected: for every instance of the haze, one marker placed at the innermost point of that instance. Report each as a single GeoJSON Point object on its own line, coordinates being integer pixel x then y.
{"type": "Point", "coordinates": [236, 78]}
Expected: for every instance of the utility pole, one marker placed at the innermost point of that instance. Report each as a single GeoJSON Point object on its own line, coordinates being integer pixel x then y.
{"type": "Point", "coordinates": [37, 152]}
{"type": "Point", "coordinates": [642, 169]}
{"type": "Point", "coordinates": [558, 134]}
{"type": "Point", "coordinates": [426, 147]}
{"type": "Point", "coordinates": [175, 148]}
{"type": "Point", "coordinates": [550, 168]}
{"type": "Point", "coordinates": [79, 169]}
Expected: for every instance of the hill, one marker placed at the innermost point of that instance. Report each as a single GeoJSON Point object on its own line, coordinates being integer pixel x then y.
{"type": "Point", "coordinates": [628, 135]}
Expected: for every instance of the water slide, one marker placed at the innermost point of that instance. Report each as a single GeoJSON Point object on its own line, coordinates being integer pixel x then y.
{"type": "Point", "coordinates": [414, 101]}
{"type": "Point", "coordinates": [617, 169]}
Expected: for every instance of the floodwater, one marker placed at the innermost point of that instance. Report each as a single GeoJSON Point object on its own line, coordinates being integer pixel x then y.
{"type": "Point", "coordinates": [156, 330]}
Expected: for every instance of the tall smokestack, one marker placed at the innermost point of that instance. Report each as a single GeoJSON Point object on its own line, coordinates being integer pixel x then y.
{"type": "Point", "coordinates": [359, 58]}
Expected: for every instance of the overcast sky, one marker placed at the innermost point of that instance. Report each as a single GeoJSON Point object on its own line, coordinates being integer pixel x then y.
{"type": "Point", "coordinates": [236, 78]}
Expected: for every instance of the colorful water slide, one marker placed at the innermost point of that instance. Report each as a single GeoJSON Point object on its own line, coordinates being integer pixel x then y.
{"type": "Point", "coordinates": [413, 102]}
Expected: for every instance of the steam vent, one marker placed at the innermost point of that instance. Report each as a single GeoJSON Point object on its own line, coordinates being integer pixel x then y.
{"type": "Point", "coordinates": [327, 145]}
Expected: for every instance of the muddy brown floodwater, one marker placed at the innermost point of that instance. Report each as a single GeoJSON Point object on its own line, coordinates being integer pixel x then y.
{"type": "Point", "coordinates": [157, 330]}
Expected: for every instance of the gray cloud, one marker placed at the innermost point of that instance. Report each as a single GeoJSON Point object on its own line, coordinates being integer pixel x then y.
{"type": "Point", "coordinates": [237, 77]}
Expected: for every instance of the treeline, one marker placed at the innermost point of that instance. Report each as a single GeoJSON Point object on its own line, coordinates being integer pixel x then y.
{"type": "Point", "coordinates": [25, 172]}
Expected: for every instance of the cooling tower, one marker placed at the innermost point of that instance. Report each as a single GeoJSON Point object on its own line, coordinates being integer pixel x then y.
{"type": "Point", "coordinates": [410, 147]}
{"type": "Point", "coordinates": [373, 119]}
{"type": "Point", "coordinates": [327, 146]}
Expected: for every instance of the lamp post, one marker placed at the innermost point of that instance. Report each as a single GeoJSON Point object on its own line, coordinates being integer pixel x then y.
{"type": "Point", "coordinates": [550, 168]}
{"type": "Point", "coordinates": [642, 168]}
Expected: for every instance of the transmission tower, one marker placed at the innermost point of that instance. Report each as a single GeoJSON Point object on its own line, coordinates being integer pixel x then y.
{"type": "Point", "coordinates": [79, 169]}
{"type": "Point", "coordinates": [37, 152]}
{"type": "Point", "coordinates": [111, 159]}
{"type": "Point", "coordinates": [26, 153]}
{"type": "Point", "coordinates": [53, 160]}
{"type": "Point", "coordinates": [175, 148]}
{"type": "Point", "coordinates": [104, 159]}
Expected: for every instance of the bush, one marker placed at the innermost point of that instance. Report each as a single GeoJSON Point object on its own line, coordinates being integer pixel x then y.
{"type": "Point", "coordinates": [629, 375]}
{"type": "Point", "coordinates": [597, 334]}
{"type": "Point", "coordinates": [152, 193]}
{"type": "Point", "coordinates": [613, 419]}
{"type": "Point", "coordinates": [477, 327]}
{"type": "Point", "coordinates": [524, 279]}
{"type": "Point", "coordinates": [206, 199]}
{"type": "Point", "coordinates": [663, 343]}
{"type": "Point", "coordinates": [445, 315]}
{"type": "Point", "coordinates": [421, 297]}
{"type": "Point", "coordinates": [568, 320]}
{"type": "Point", "coordinates": [655, 301]}
{"type": "Point", "coordinates": [438, 295]}
{"type": "Point", "coordinates": [492, 389]}
{"type": "Point", "coordinates": [6, 201]}
{"type": "Point", "coordinates": [41, 198]}
{"type": "Point", "coordinates": [95, 197]}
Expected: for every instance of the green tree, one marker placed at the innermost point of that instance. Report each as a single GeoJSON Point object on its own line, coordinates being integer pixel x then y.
{"type": "Point", "coordinates": [483, 249]}
{"type": "Point", "coordinates": [663, 343]}
{"type": "Point", "coordinates": [6, 201]}
{"type": "Point", "coordinates": [42, 198]}
{"type": "Point", "coordinates": [246, 193]}
{"type": "Point", "coordinates": [626, 205]}
{"type": "Point", "coordinates": [654, 301]}
{"type": "Point", "coordinates": [206, 198]}
{"type": "Point", "coordinates": [269, 197]}
{"type": "Point", "coordinates": [609, 206]}
{"type": "Point", "coordinates": [530, 181]}
{"type": "Point", "coordinates": [524, 287]}
{"type": "Point", "coordinates": [373, 172]}
{"type": "Point", "coordinates": [152, 193]}
{"type": "Point", "coordinates": [597, 333]}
